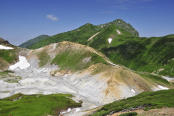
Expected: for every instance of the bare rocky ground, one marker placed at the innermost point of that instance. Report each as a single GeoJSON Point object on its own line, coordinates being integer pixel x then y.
{"type": "Point", "coordinates": [90, 89]}
{"type": "Point", "coordinates": [38, 81]}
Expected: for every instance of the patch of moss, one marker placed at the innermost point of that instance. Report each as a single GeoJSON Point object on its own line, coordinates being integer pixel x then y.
{"type": "Point", "coordinates": [129, 114]}
{"type": "Point", "coordinates": [154, 78]}
{"type": "Point", "coordinates": [13, 79]}
{"type": "Point", "coordinates": [146, 100]}
{"type": "Point", "coordinates": [8, 55]}
{"type": "Point", "coordinates": [74, 59]}
{"type": "Point", "coordinates": [43, 58]}
{"type": "Point", "coordinates": [36, 105]}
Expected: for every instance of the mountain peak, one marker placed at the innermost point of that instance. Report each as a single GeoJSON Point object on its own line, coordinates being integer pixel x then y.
{"type": "Point", "coordinates": [118, 21]}
{"type": "Point", "coordinates": [87, 24]}
{"type": "Point", "coordinates": [121, 24]}
{"type": "Point", "coordinates": [126, 26]}
{"type": "Point", "coordinates": [2, 41]}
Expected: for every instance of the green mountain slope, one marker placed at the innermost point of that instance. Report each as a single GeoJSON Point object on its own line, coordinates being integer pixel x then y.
{"type": "Point", "coordinates": [29, 43]}
{"type": "Point", "coordinates": [146, 100]}
{"type": "Point", "coordinates": [83, 33]}
{"type": "Point", "coordinates": [79, 35]}
{"type": "Point", "coordinates": [153, 54]}
{"type": "Point", "coordinates": [110, 31]}
{"type": "Point", "coordinates": [144, 54]}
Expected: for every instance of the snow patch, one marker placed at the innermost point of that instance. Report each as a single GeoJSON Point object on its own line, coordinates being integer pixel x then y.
{"type": "Point", "coordinates": [69, 109]}
{"type": "Point", "coordinates": [109, 40]}
{"type": "Point", "coordinates": [133, 91]}
{"type": "Point", "coordinates": [22, 64]}
{"type": "Point", "coordinates": [168, 78]}
{"type": "Point", "coordinates": [77, 109]}
{"type": "Point", "coordinates": [159, 87]}
{"type": "Point", "coordinates": [5, 47]}
{"type": "Point", "coordinates": [162, 87]}
{"type": "Point", "coordinates": [64, 112]}
{"type": "Point", "coordinates": [118, 31]}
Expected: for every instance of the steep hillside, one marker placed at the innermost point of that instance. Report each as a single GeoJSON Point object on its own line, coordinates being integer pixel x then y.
{"type": "Point", "coordinates": [76, 58]}
{"type": "Point", "coordinates": [29, 43]}
{"type": "Point", "coordinates": [67, 55]}
{"type": "Point", "coordinates": [144, 101]}
{"type": "Point", "coordinates": [4, 42]}
{"type": "Point", "coordinates": [144, 54]}
{"type": "Point", "coordinates": [107, 36]}
{"type": "Point", "coordinates": [119, 41]}
{"type": "Point", "coordinates": [82, 34]}
{"type": "Point", "coordinates": [8, 54]}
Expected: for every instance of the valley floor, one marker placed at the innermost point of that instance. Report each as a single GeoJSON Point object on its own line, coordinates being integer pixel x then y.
{"type": "Point", "coordinates": [83, 86]}
{"type": "Point", "coordinates": [39, 81]}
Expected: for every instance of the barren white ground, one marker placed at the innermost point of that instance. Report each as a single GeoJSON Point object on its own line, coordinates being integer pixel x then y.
{"type": "Point", "coordinates": [38, 81]}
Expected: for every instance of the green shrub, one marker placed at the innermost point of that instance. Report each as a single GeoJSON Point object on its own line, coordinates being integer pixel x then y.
{"type": "Point", "coordinates": [43, 58]}
{"type": "Point", "coordinates": [73, 59]}
{"type": "Point", "coordinates": [129, 114]}
{"type": "Point", "coordinates": [146, 100]}
{"type": "Point", "coordinates": [36, 105]}
{"type": "Point", "coordinates": [8, 55]}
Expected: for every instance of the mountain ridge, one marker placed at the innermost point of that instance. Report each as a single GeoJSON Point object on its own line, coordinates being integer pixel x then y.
{"type": "Point", "coordinates": [84, 32]}
{"type": "Point", "coordinates": [33, 41]}
{"type": "Point", "coordinates": [121, 43]}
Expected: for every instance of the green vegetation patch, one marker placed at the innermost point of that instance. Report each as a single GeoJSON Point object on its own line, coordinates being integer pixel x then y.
{"type": "Point", "coordinates": [3, 73]}
{"type": "Point", "coordinates": [146, 101]}
{"type": "Point", "coordinates": [143, 54]}
{"type": "Point", "coordinates": [8, 55]}
{"type": "Point", "coordinates": [36, 105]}
{"type": "Point", "coordinates": [83, 33]}
{"type": "Point", "coordinates": [13, 79]}
{"type": "Point", "coordinates": [29, 43]}
{"type": "Point", "coordinates": [129, 114]}
{"type": "Point", "coordinates": [79, 35]}
{"type": "Point", "coordinates": [43, 58]}
{"type": "Point", "coordinates": [155, 78]}
{"type": "Point", "coordinates": [76, 59]}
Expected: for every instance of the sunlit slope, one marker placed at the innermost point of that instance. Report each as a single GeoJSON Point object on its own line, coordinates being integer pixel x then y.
{"type": "Point", "coordinates": [29, 43]}
{"type": "Point", "coordinates": [146, 101]}
{"type": "Point", "coordinates": [82, 34]}
{"type": "Point", "coordinates": [36, 105]}
{"type": "Point", "coordinates": [116, 81]}
{"type": "Point", "coordinates": [144, 54]}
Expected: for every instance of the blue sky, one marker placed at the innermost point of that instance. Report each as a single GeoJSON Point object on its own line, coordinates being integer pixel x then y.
{"type": "Point", "coordinates": [21, 20]}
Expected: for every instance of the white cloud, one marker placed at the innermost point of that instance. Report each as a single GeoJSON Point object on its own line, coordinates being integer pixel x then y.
{"type": "Point", "coordinates": [52, 17]}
